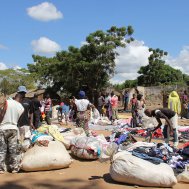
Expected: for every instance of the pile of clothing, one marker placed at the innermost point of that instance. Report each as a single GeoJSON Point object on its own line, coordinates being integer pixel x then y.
{"type": "Point", "coordinates": [184, 134]}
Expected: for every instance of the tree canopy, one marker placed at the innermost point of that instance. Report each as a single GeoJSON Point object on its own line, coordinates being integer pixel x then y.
{"type": "Point", "coordinates": [157, 72]}
{"type": "Point", "coordinates": [89, 66]}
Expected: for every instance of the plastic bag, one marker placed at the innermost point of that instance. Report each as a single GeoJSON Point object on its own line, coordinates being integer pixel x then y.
{"type": "Point", "coordinates": [69, 135]}
{"type": "Point", "coordinates": [85, 147]}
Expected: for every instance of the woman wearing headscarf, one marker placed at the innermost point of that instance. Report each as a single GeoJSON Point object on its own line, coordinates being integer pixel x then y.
{"type": "Point", "coordinates": [83, 111]}
{"type": "Point", "coordinates": [174, 102]}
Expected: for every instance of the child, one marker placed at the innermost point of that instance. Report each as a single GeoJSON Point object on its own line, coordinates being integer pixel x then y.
{"type": "Point", "coordinates": [65, 111]}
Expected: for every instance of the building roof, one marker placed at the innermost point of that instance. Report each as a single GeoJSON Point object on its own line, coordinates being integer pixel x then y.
{"type": "Point", "coordinates": [30, 93]}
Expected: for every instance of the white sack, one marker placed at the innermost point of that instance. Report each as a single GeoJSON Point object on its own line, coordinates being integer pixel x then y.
{"type": "Point", "coordinates": [69, 135]}
{"type": "Point", "coordinates": [38, 158]}
{"type": "Point", "coordinates": [130, 169]}
{"type": "Point", "coordinates": [184, 176]}
{"type": "Point", "coordinates": [85, 147]}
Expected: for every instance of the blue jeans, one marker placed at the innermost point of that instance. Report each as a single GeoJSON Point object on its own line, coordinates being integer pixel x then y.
{"type": "Point", "coordinates": [166, 134]}
{"type": "Point", "coordinates": [147, 157]}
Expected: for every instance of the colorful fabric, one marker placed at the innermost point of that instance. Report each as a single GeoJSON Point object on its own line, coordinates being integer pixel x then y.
{"type": "Point", "coordinates": [83, 120]}
{"type": "Point", "coordinates": [51, 130]}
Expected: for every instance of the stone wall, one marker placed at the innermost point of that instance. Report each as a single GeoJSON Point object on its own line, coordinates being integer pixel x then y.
{"type": "Point", "coordinates": [157, 96]}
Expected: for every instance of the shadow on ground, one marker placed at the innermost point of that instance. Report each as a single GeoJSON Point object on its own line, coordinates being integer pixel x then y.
{"type": "Point", "coordinates": [50, 184]}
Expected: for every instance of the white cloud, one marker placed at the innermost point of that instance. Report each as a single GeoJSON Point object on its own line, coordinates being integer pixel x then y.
{"type": "Point", "coordinates": [84, 43]}
{"type": "Point", "coordinates": [45, 46]}
{"type": "Point", "coordinates": [3, 66]}
{"type": "Point", "coordinates": [44, 12]}
{"type": "Point", "coordinates": [130, 60]}
{"type": "Point", "coordinates": [17, 67]}
{"type": "Point", "coordinates": [181, 61]}
{"type": "Point", "coordinates": [3, 47]}
{"type": "Point", "coordinates": [136, 54]}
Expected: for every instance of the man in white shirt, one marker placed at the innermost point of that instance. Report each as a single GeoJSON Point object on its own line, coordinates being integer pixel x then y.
{"type": "Point", "coordinates": [83, 115]}
{"type": "Point", "coordinates": [10, 112]}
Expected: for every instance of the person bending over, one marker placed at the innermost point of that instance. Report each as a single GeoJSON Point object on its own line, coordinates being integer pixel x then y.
{"type": "Point", "coordinates": [171, 119]}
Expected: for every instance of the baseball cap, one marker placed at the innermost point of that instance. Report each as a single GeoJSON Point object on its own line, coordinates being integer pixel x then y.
{"type": "Point", "coordinates": [22, 89]}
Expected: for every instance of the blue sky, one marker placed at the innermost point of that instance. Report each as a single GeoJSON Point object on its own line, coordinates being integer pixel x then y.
{"type": "Point", "coordinates": [157, 24]}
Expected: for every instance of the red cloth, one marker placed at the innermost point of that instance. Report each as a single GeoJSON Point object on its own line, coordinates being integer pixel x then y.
{"type": "Point", "coordinates": [185, 145]}
{"type": "Point", "coordinates": [158, 133]}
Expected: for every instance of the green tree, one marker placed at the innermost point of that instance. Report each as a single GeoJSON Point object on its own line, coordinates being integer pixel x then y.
{"type": "Point", "coordinates": [91, 65]}
{"type": "Point", "coordinates": [126, 84]}
{"type": "Point", "coordinates": [157, 72]}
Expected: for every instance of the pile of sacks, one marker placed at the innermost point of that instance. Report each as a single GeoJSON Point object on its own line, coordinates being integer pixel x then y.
{"type": "Point", "coordinates": [145, 164]}
{"type": "Point", "coordinates": [128, 168]}
{"type": "Point", "coordinates": [139, 163]}
{"type": "Point", "coordinates": [44, 149]}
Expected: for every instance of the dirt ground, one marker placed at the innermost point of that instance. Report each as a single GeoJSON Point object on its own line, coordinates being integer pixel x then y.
{"type": "Point", "coordinates": [80, 175]}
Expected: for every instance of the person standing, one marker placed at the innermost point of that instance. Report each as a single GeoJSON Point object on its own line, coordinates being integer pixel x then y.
{"type": "Point", "coordinates": [101, 102]}
{"type": "Point", "coordinates": [171, 119]}
{"type": "Point", "coordinates": [37, 112]}
{"type": "Point", "coordinates": [83, 108]}
{"type": "Point", "coordinates": [114, 104]}
{"type": "Point", "coordinates": [174, 102]}
{"type": "Point", "coordinates": [25, 123]}
{"type": "Point", "coordinates": [184, 105]}
{"type": "Point", "coordinates": [126, 100]}
{"type": "Point", "coordinates": [48, 105]}
{"type": "Point", "coordinates": [10, 113]}
{"type": "Point", "coordinates": [140, 109]}
{"type": "Point", "coordinates": [134, 105]}
{"type": "Point", "coordinates": [107, 104]}
{"type": "Point", "coordinates": [65, 110]}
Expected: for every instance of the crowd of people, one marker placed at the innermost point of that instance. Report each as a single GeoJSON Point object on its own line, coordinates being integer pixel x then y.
{"type": "Point", "coordinates": [20, 114]}
{"type": "Point", "coordinates": [17, 116]}
{"type": "Point", "coordinates": [177, 106]}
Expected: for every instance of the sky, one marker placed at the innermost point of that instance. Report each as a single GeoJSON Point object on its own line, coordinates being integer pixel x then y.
{"type": "Point", "coordinates": [44, 27]}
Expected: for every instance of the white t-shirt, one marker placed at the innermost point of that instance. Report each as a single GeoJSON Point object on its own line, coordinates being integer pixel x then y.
{"type": "Point", "coordinates": [82, 104]}
{"type": "Point", "coordinates": [107, 99]}
{"type": "Point", "coordinates": [12, 115]}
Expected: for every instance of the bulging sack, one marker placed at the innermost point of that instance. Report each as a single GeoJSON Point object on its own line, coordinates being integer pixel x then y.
{"type": "Point", "coordinates": [38, 158]}
{"type": "Point", "coordinates": [68, 136]}
{"type": "Point", "coordinates": [86, 147]}
{"type": "Point", "coordinates": [184, 176]}
{"type": "Point", "coordinates": [126, 168]}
